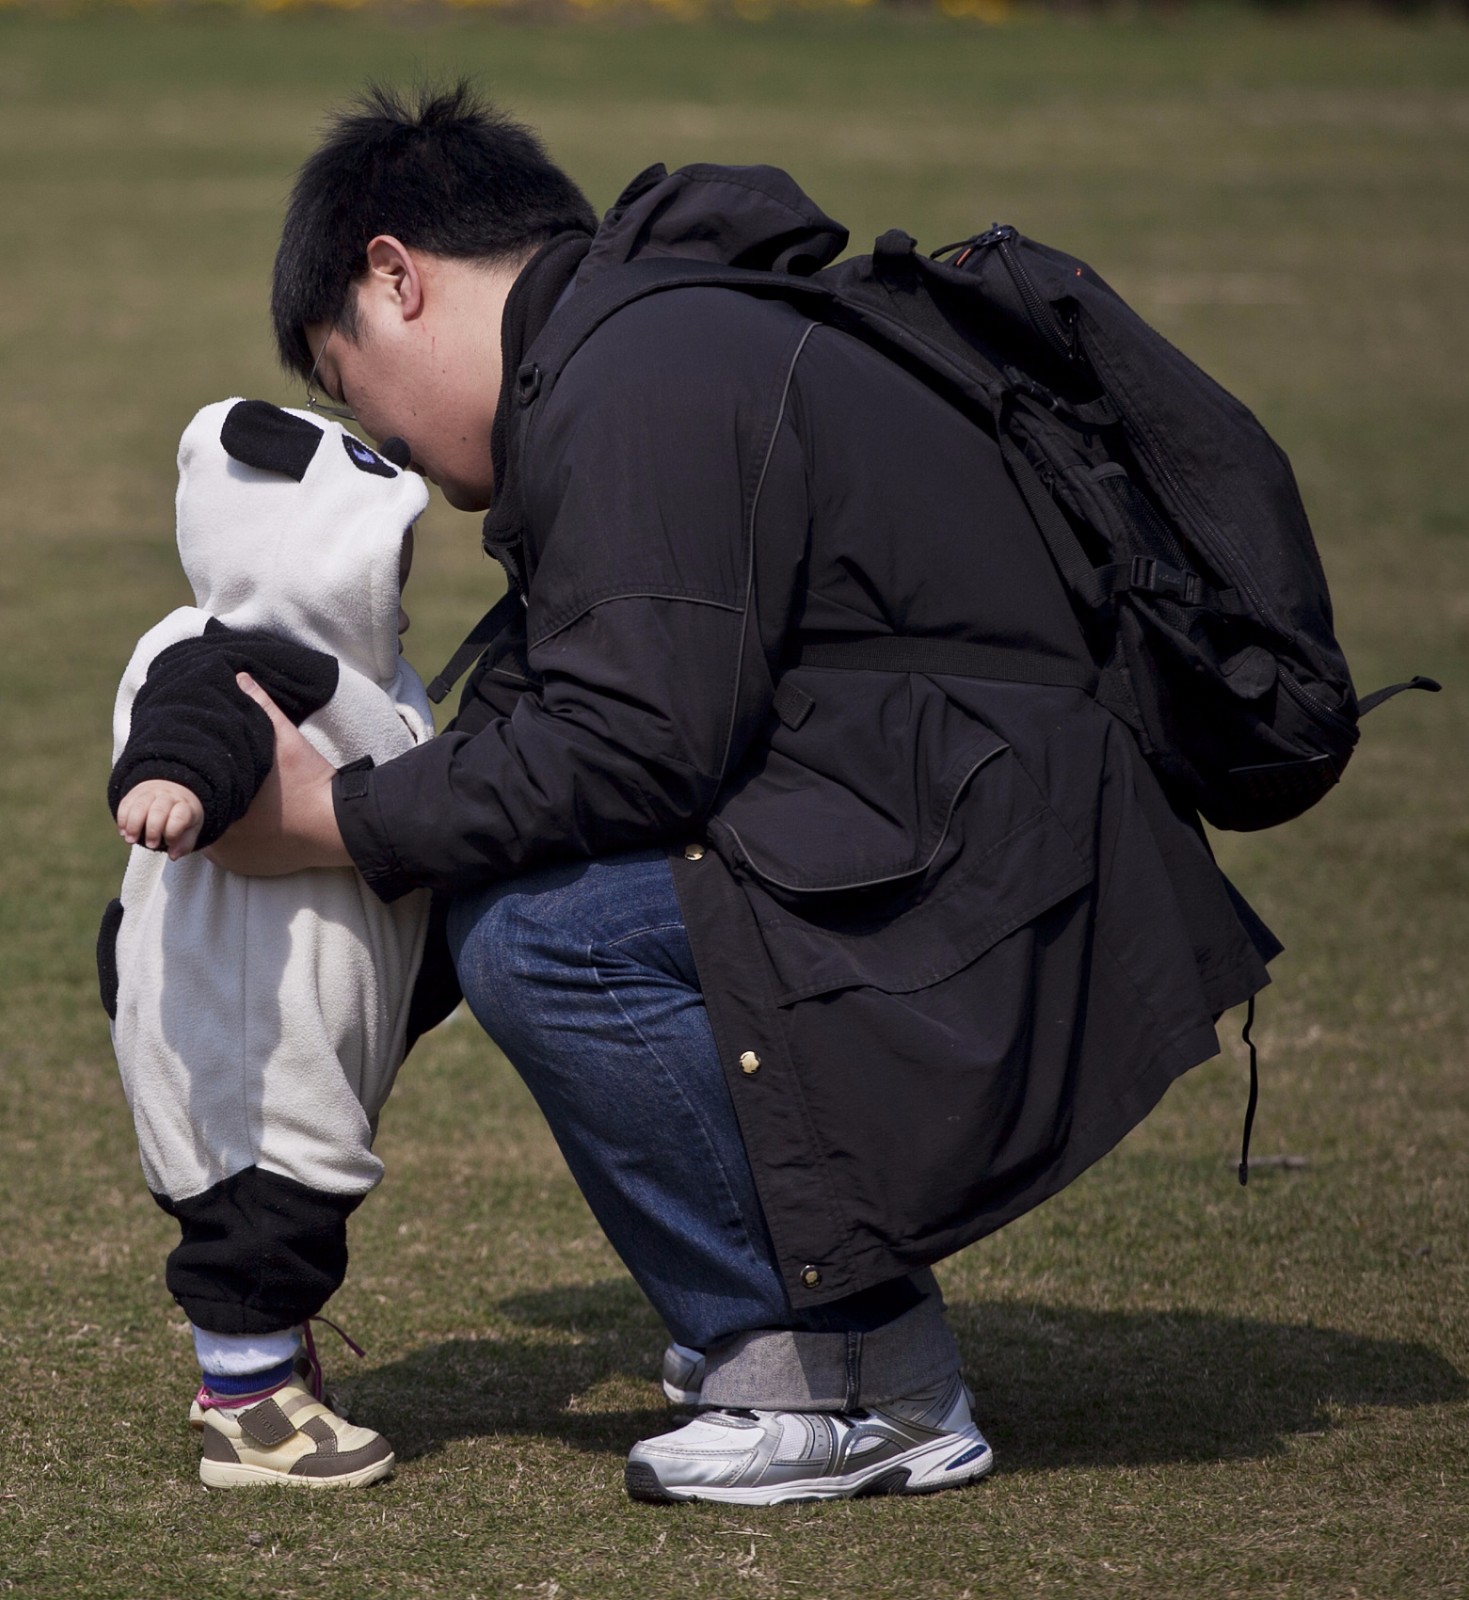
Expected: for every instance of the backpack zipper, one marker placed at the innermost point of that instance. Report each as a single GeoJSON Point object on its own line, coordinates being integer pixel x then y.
{"type": "Point", "coordinates": [1002, 238]}
{"type": "Point", "coordinates": [1303, 697]}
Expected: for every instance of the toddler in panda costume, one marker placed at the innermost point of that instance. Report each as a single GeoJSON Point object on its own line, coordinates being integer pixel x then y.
{"type": "Point", "coordinates": [259, 1022]}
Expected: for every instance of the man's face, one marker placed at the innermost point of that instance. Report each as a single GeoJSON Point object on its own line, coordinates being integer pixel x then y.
{"type": "Point", "coordinates": [390, 390]}
{"type": "Point", "coordinates": [431, 377]}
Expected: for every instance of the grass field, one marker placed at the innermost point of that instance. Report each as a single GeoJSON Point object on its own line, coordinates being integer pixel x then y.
{"type": "Point", "coordinates": [1193, 1389]}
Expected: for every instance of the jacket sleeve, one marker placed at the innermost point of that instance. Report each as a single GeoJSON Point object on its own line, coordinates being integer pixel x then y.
{"type": "Point", "coordinates": [641, 482]}
{"type": "Point", "coordinates": [192, 726]}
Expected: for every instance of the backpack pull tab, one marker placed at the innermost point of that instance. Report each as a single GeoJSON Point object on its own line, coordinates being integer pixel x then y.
{"type": "Point", "coordinates": [1372, 701]}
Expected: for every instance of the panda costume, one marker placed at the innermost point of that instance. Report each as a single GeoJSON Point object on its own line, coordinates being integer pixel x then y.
{"type": "Point", "coordinates": [259, 1022]}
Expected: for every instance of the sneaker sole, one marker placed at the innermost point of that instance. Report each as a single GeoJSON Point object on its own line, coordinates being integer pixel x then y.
{"type": "Point", "coordinates": [928, 1469]}
{"type": "Point", "coordinates": [240, 1475]}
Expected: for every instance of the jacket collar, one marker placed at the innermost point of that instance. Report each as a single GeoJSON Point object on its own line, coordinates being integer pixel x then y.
{"type": "Point", "coordinates": [534, 295]}
{"type": "Point", "coordinates": [755, 217]}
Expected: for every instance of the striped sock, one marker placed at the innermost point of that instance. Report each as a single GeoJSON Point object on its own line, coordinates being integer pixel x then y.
{"type": "Point", "coordinates": [225, 1387]}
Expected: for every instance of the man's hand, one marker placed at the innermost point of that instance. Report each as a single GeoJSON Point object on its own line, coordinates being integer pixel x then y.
{"type": "Point", "coordinates": [291, 824]}
{"type": "Point", "coordinates": [160, 815]}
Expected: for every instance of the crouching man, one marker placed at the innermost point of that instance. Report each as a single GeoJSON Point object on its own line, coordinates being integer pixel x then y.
{"type": "Point", "coordinates": [819, 972]}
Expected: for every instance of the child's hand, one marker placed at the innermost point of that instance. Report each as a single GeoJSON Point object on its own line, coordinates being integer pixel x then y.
{"type": "Point", "coordinates": [161, 815]}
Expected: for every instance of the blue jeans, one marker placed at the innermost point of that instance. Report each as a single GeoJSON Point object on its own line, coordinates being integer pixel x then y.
{"type": "Point", "coordinates": [582, 974]}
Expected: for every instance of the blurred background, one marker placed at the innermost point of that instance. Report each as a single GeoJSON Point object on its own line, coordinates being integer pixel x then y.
{"type": "Point", "coordinates": [1191, 1387]}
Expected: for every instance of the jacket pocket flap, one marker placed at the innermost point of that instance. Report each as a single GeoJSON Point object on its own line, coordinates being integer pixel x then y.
{"type": "Point", "coordinates": [1004, 862]}
{"type": "Point", "coordinates": [858, 790]}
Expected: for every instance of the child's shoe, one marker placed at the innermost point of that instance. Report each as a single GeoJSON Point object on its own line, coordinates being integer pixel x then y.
{"type": "Point", "coordinates": [309, 1376]}
{"type": "Point", "coordinates": [306, 1368]}
{"type": "Point", "coordinates": [287, 1436]}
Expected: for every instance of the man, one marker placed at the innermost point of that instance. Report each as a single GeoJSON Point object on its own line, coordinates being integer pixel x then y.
{"type": "Point", "coordinates": [818, 974]}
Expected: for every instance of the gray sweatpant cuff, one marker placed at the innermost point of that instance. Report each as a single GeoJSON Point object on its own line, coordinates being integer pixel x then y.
{"type": "Point", "coordinates": [795, 1371]}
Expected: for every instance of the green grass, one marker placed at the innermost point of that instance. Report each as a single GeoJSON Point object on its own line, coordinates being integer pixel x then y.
{"type": "Point", "coordinates": [1193, 1389]}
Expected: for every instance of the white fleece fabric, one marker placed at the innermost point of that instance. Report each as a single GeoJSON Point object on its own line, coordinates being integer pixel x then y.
{"type": "Point", "coordinates": [260, 1021]}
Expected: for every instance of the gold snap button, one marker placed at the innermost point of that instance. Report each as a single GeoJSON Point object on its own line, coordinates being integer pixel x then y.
{"type": "Point", "coordinates": [811, 1277]}
{"type": "Point", "coordinates": [693, 852]}
{"type": "Point", "coordinates": [749, 1062]}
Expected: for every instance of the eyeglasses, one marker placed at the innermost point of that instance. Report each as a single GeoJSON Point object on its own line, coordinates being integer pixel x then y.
{"type": "Point", "coordinates": [314, 403]}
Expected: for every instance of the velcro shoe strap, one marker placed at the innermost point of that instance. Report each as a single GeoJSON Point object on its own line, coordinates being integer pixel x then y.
{"type": "Point", "coordinates": [266, 1424]}
{"type": "Point", "coordinates": [321, 1430]}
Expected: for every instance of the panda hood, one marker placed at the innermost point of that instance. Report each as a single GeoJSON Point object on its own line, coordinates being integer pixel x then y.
{"type": "Point", "coordinates": [287, 522]}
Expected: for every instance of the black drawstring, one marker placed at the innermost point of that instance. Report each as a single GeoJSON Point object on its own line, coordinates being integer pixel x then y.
{"type": "Point", "coordinates": [1244, 1149]}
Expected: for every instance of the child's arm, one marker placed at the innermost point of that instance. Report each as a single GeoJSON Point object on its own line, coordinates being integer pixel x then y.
{"type": "Point", "coordinates": [191, 729]}
{"type": "Point", "coordinates": [161, 815]}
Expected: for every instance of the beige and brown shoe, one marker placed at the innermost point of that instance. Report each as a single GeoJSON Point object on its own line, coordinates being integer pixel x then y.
{"type": "Point", "coordinates": [307, 1375]}
{"type": "Point", "coordinates": [291, 1438]}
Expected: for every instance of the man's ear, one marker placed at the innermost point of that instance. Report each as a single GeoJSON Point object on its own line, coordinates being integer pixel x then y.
{"type": "Point", "coordinates": [393, 276]}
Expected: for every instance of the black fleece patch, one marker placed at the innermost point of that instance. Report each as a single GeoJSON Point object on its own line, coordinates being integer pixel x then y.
{"type": "Point", "coordinates": [366, 459]}
{"type": "Point", "coordinates": [259, 434]}
{"type": "Point", "coordinates": [192, 725]}
{"type": "Point", "coordinates": [107, 957]}
{"type": "Point", "coordinates": [258, 1252]}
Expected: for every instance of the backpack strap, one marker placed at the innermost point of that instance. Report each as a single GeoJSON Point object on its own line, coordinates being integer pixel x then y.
{"type": "Point", "coordinates": [592, 304]}
{"type": "Point", "coordinates": [483, 633]}
{"type": "Point", "coordinates": [1080, 576]}
{"type": "Point", "coordinates": [1148, 575]}
{"type": "Point", "coordinates": [1372, 701]}
{"type": "Point", "coordinates": [573, 323]}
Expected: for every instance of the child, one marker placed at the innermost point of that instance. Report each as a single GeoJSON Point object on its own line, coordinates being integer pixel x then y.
{"type": "Point", "coordinates": [259, 1022]}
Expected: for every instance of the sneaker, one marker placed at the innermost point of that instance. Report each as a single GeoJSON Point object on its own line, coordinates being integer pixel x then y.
{"type": "Point", "coordinates": [288, 1436]}
{"type": "Point", "coordinates": [307, 1368]}
{"type": "Point", "coordinates": [683, 1374]}
{"type": "Point", "coordinates": [916, 1445]}
{"type": "Point", "coordinates": [308, 1376]}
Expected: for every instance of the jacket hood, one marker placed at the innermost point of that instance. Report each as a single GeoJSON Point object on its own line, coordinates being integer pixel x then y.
{"type": "Point", "coordinates": [756, 217]}
{"type": "Point", "coordinates": [289, 523]}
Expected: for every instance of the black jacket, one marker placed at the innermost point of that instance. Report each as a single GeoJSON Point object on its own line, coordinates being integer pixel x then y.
{"type": "Point", "coordinates": [953, 938]}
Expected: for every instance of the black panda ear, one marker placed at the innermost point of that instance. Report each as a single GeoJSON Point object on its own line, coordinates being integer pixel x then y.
{"type": "Point", "coordinates": [259, 434]}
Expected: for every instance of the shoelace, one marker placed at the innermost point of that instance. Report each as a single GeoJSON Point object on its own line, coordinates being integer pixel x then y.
{"type": "Point", "coordinates": [315, 1381]}
{"type": "Point", "coordinates": [318, 1384]}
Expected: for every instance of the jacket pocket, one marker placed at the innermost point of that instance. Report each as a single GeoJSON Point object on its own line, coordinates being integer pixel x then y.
{"type": "Point", "coordinates": [903, 884]}
{"type": "Point", "coordinates": [859, 793]}
{"type": "Point", "coordinates": [107, 957]}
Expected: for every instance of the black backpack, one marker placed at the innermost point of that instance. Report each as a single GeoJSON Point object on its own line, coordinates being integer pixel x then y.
{"type": "Point", "coordinates": [1172, 516]}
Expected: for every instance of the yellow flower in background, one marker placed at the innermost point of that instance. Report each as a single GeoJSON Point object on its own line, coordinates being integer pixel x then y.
{"type": "Point", "coordinates": [985, 11]}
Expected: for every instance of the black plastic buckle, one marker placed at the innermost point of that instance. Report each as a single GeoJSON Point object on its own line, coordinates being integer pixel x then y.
{"type": "Point", "coordinates": [527, 383]}
{"type": "Point", "coordinates": [1157, 577]}
{"type": "Point", "coordinates": [1031, 388]}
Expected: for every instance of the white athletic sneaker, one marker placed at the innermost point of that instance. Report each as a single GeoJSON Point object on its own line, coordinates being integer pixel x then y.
{"type": "Point", "coordinates": [916, 1445]}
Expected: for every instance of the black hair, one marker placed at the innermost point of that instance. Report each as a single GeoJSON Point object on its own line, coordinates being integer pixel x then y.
{"type": "Point", "coordinates": [445, 172]}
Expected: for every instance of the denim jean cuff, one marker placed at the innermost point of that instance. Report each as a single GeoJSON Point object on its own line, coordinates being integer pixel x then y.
{"type": "Point", "coordinates": [783, 1370]}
